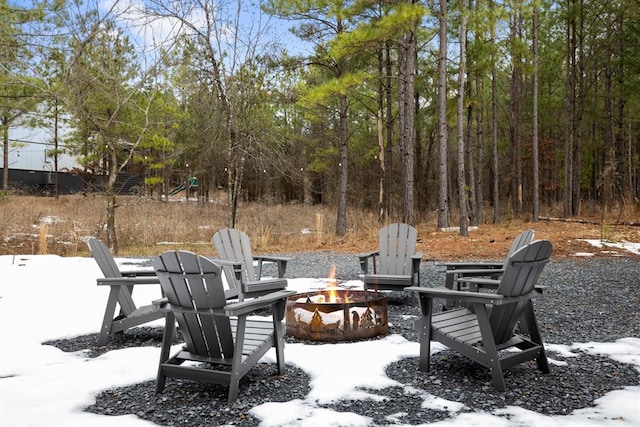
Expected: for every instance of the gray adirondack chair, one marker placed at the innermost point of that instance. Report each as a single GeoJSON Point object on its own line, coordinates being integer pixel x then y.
{"type": "Point", "coordinates": [234, 246]}
{"type": "Point", "coordinates": [489, 328]}
{"type": "Point", "coordinates": [453, 270]}
{"type": "Point", "coordinates": [121, 285]}
{"type": "Point", "coordinates": [396, 264]}
{"type": "Point", "coordinates": [217, 333]}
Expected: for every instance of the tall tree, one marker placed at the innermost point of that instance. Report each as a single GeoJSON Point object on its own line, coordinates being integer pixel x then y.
{"type": "Point", "coordinates": [320, 23]}
{"type": "Point", "coordinates": [462, 183]}
{"type": "Point", "coordinates": [443, 132]}
{"type": "Point", "coordinates": [111, 123]}
{"type": "Point", "coordinates": [406, 115]}
{"type": "Point", "coordinates": [20, 93]}
{"type": "Point", "coordinates": [516, 40]}
{"type": "Point", "coordinates": [226, 49]}
{"type": "Point", "coordinates": [534, 114]}
{"type": "Point", "coordinates": [495, 181]}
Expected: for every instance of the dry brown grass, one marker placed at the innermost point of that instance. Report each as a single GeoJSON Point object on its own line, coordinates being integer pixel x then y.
{"type": "Point", "coordinates": [30, 225]}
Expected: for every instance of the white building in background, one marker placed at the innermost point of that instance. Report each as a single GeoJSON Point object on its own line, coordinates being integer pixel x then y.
{"type": "Point", "coordinates": [31, 149]}
{"type": "Point", "coordinates": [32, 166]}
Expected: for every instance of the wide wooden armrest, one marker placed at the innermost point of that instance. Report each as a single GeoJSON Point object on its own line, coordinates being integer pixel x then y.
{"type": "Point", "coordinates": [127, 281]}
{"type": "Point", "coordinates": [368, 254]}
{"type": "Point", "coordinates": [443, 292]}
{"type": "Point", "coordinates": [470, 297]}
{"type": "Point", "coordinates": [237, 265]}
{"type": "Point", "coordinates": [159, 303]}
{"type": "Point", "coordinates": [476, 271]}
{"type": "Point", "coordinates": [250, 305]}
{"type": "Point", "coordinates": [480, 281]}
{"type": "Point", "coordinates": [138, 273]}
{"type": "Point", "coordinates": [271, 258]}
{"type": "Point", "coordinates": [281, 261]}
{"type": "Point", "coordinates": [469, 265]}
{"type": "Point", "coordinates": [264, 285]}
{"type": "Point", "coordinates": [493, 283]}
{"type": "Point", "coordinates": [364, 260]}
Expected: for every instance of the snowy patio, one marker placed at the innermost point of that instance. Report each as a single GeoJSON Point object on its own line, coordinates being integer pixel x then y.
{"type": "Point", "coordinates": [48, 297]}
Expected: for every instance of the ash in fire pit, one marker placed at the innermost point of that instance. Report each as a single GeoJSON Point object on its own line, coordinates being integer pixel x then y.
{"type": "Point", "coordinates": [337, 315]}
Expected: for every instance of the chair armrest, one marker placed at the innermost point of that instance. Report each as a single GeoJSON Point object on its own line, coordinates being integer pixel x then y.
{"type": "Point", "coordinates": [235, 266]}
{"type": "Point", "coordinates": [460, 274]}
{"type": "Point", "coordinates": [416, 259]}
{"type": "Point", "coordinates": [476, 271]}
{"type": "Point", "coordinates": [364, 260]}
{"type": "Point", "coordinates": [159, 303]}
{"type": "Point", "coordinates": [480, 281]}
{"type": "Point", "coordinates": [138, 273]}
{"type": "Point", "coordinates": [268, 285]}
{"type": "Point", "coordinates": [271, 258]}
{"type": "Point", "coordinates": [470, 265]}
{"type": "Point", "coordinates": [470, 297]}
{"type": "Point", "coordinates": [281, 261]}
{"type": "Point", "coordinates": [368, 254]}
{"type": "Point", "coordinates": [443, 292]}
{"type": "Point", "coordinates": [126, 281]}
{"type": "Point", "coordinates": [251, 305]}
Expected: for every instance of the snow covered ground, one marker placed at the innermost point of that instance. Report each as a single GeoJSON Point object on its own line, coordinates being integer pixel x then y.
{"type": "Point", "coordinates": [44, 297]}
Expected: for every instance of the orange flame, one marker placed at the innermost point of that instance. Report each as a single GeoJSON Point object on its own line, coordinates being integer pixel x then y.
{"type": "Point", "coordinates": [333, 295]}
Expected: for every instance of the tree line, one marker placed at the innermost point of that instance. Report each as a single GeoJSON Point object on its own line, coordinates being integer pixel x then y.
{"type": "Point", "coordinates": [472, 109]}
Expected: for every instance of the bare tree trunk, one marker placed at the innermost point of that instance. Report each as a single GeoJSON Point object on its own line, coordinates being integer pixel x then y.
{"type": "Point", "coordinates": [341, 221]}
{"type": "Point", "coordinates": [469, 145]}
{"type": "Point", "coordinates": [5, 157]}
{"type": "Point", "coordinates": [406, 114]}
{"type": "Point", "coordinates": [620, 119]}
{"type": "Point", "coordinates": [388, 158]}
{"type": "Point", "coordinates": [609, 172]}
{"type": "Point", "coordinates": [462, 184]}
{"type": "Point", "coordinates": [110, 191]}
{"type": "Point", "coordinates": [443, 173]}
{"type": "Point", "coordinates": [494, 126]}
{"type": "Point", "coordinates": [480, 151]}
{"type": "Point", "coordinates": [534, 118]}
{"type": "Point", "coordinates": [380, 123]}
{"type": "Point", "coordinates": [570, 111]}
{"type": "Point", "coordinates": [516, 98]}
{"type": "Point", "coordinates": [579, 114]}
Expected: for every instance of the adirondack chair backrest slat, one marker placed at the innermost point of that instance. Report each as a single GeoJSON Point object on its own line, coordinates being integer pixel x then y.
{"type": "Point", "coordinates": [397, 244]}
{"type": "Point", "coordinates": [521, 240]}
{"type": "Point", "coordinates": [233, 245]}
{"type": "Point", "coordinates": [102, 255]}
{"type": "Point", "coordinates": [193, 282]}
{"type": "Point", "coordinates": [520, 277]}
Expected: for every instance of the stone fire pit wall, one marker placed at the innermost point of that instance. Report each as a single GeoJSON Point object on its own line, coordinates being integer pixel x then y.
{"type": "Point", "coordinates": [354, 315]}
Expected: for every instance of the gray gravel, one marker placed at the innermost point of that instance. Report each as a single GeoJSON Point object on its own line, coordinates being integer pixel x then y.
{"type": "Point", "coordinates": [588, 299]}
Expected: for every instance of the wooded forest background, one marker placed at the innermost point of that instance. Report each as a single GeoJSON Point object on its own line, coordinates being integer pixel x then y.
{"type": "Point", "coordinates": [476, 110]}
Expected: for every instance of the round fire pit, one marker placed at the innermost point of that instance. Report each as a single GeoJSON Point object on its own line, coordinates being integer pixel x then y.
{"type": "Point", "coordinates": [337, 315]}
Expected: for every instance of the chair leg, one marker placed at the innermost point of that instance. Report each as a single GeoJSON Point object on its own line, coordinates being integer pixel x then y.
{"type": "Point", "coordinates": [278, 338]}
{"type": "Point", "coordinates": [529, 318]}
{"type": "Point", "coordinates": [167, 339]}
{"type": "Point", "coordinates": [489, 345]}
{"type": "Point", "coordinates": [109, 314]}
{"type": "Point", "coordinates": [426, 307]}
{"type": "Point", "coordinates": [234, 375]}
{"type": "Point", "coordinates": [234, 387]}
